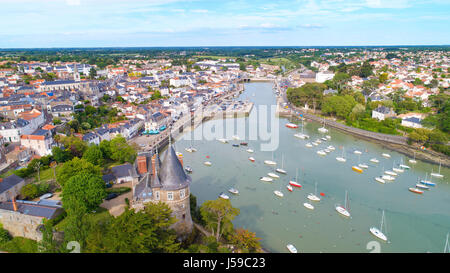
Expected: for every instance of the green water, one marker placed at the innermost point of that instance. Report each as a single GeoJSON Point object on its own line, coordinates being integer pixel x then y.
{"type": "Point", "coordinates": [415, 223]}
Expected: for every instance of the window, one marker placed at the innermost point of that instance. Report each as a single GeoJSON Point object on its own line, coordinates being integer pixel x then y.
{"type": "Point", "coordinates": [170, 196]}
{"type": "Point", "coordinates": [182, 193]}
{"type": "Point", "coordinates": [157, 195]}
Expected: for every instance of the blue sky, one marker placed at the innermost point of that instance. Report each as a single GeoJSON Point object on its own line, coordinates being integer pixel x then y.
{"type": "Point", "coordinates": [105, 23]}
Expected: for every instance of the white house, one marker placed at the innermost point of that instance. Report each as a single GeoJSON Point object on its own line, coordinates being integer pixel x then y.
{"type": "Point", "coordinates": [383, 112]}
{"type": "Point", "coordinates": [324, 76]}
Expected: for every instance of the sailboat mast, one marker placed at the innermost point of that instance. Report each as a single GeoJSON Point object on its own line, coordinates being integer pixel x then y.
{"type": "Point", "coordinates": [382, 219]}
{"type": "Point", "coordinates": [446, 245]}
{"type": "Point", "coordinates": [296, 174]}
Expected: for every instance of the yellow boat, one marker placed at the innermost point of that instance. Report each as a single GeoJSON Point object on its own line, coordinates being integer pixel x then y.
{"type": "Point", "coordinates": [357, 169]}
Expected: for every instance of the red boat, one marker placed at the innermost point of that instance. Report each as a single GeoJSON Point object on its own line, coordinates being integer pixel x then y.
{"type": "Point", "coordinates": [251, 159]}
{"type": "Point", "coordinates": [295, 184]}
{"type": "Point", "coordinates": [292, 125]}
{"type": "Point", "coordinates": [289, 188]}
{"type": "Point", "coordinates": [415, 190]}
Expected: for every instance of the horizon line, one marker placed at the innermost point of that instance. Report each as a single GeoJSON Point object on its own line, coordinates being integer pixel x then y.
{"type": "Point", "coordinates": [229, 46]}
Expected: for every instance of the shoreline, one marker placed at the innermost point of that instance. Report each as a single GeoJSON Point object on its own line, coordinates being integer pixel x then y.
{"type": "Point", "coordinates": [394, 143]}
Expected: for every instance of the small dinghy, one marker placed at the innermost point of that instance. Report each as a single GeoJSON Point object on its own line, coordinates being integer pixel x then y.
{"type": "Point", "coordinates": [292, 125]}
{"type": "Point", "coordinates": [380, 180]}
{"type": "Point", "coordinates": [249, 151]}
{"type": "Point", "coordinates": [207, 163]}
{"type": "Point", "coordinates": [309, 145]}
{"type": "Point", "coordinates": [421, 186]}
{"type": "Point", "coordinates": [252, 159]}
{"type": "Point", "coordinates": [273, 175]}
{"type": "Point", "coordinates": [386, 155]}
{"type": "Point", "coordinates": [235, 145]}
{"type": "Point", "coordinates": [357, 152]}
{"type": "Point", "coordinates": [266, 179]}
{"type": "Point", "coordinates": [364, 166]}
{"type": "Point", "coordinates": [278, 193]}
{"type": "Point", "coordinates": [270, 162]}
{"type": "Point", "coordinates": [374, 160]}
{"type": "Point", "coordinates": [233, 191]}
{"type": "Point", "coordinates": [235, 137]}
{"type": "Point", "coordinates": [224, 196]}
{"type": "Point", "coordinates": [289, 187]}
{"type": "Point", "coordinates": [308, 206]}
{"type": "Point", "coordinates": [188, 169]}
{"type": "Point", "coordinates": [223, 140]}
{"type": "Point", "coordinates": [291, 248]}
{"type": "Point", "coordinates": [244, 143]}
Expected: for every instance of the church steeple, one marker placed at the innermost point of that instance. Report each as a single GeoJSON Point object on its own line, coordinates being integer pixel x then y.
{"type": "Point", "coordinates": [76, 74]}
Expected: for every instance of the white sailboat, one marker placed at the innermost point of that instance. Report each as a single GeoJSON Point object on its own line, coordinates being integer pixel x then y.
{"type": "Point", "coordinates": [223, 140]}
{"type": "Point", "coordinates": [281, 170]}
{"type": "Point", "coordinates": [341, 158]}
{"type": "Point", "coordinates": [403, 166]}
{"type": "Point", "coordinates": [357, 152]}
{"type": "Point", "coordinates": [343, 210]}
{"type": "Point", "coordinates": [309, 145]}
{"type": "Point", "coordinates": [447, 245]}
{"type": "Point", "coordinates": [314, 197]}
{"type": "Point", "coordinates": [207, 163]}
{"type": "Point", "coordinates": [291, 248]}
{"type": "Point", "coordinates": [250, 151]}
{"type": "Point", "coordinates": [413, 161]}
{"type": "Point", "coordinates": [278, 193]}
{"type": "Point", "coordinates": [380, 179]}
{"type": "Point", "coordinates": [374, 160]}
{"type": "Point", "coordinates": [308, 206]}
{"type": "Point", "coordinates": [379, 232]}
{"type": "Point", "coordinates": [270, 162]}
{"type": "Point", "coordinates": [438, 175]}
{"type": "Point", "coordinates": [224, 196]}
{"type": "Point", "coordinates": [236, 137]}
{"type": "Point", "coordinates": [323, 129]}
{"type": "Point", "coordinates": [301, 135]}
{"type": "Point", "coordinates": [362, 165]}
{"type": "Point", "coordinates": [273, 175]}
{"type": "Point", "coordinates": [386, 155]}
{"type": "Point", "coordinates": [266, 179]}
{"type": "Point", "coordinates": [233, 191]}
{"type": "Point", "coordinates": [321, 152]}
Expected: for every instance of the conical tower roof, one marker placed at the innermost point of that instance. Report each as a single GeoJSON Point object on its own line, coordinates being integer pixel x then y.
{"type": "Point", "coordinates": [171, 174]}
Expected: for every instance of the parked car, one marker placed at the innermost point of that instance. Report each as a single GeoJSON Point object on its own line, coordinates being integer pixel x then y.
{"type": "Point", "coordinates": [111, 196]}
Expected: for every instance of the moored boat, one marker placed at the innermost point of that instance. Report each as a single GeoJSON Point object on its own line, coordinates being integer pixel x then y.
{"type": "Point", "coordinates": [374, 160]}
{"type": "Point", "coordinates": [291, 248]}
{"type": "Point", "coordinates": [321, 152]}
{"type": "Point", "coordinates": [278, 193]}
{"type": "Point", "coordinates": [386, 155]}
{"type": "Point", "coordinates": [207, 163]}
{"type": "Point", "coordinates": [250, 151]}
{"type": "Point", "coordinates": [235, 145]}
{"type": "Point", "coordinates": [223, 140]}
{"type": "Point", "coordinates": [188, 169]}
{"type": "Point", "coordinates": [233, 191]}
{"type": "Point", "coordinates": [308, 206]}
{"type": "Point", "coordinates": [415, 190]}
{"type": "Point", "coordinates": [224, 196]}
{"type": "Point", "coordinates": [391, 173]}
{"type": "Point", "coordinates": [364, 166]}
{"type": "Point", "coordinates": [357, 152]}
{"type": "Point", "coordinates": [357, 169]}
{"type": "Point", "coordinates": [309, 145]}
{"type": "Point", "coordinates": [379, 232]}
{"type": "Point", "coordinates": [244, 143]}
{"type": "Point", "coordinates": [421, 186]}
{"type": "Point", "coordinates": [252, 159]}
{"type": "Point", "coordinates": [380, 179]}
{"type": "Point", "coordinates": [270, 162]}
{"type": "Point", "coordinates": [266, 179]}
{"type": "Point", "coordinates": [388, 177]}
{"type": "Point", "coordinates": [289, 187]}
{"type": "Point", "coordinates": [273, 175]}
{"type": "Point", "coordinates": [291, 125]}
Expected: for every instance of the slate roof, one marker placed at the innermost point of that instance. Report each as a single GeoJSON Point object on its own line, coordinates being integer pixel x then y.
{"type": "Point", "coordinates": [32, 208]}
{"type": "Point", "coordinates": [9, 182]}
{"type": "Point", "coordinates": [172, 174]}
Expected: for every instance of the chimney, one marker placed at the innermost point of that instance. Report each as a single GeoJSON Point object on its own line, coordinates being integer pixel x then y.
{"type": "Point", "coordinates": [142, 164]}
{"type": "Point", "coordinates": [153, 164]}
{"type": "Point", "coordinates": [14, 204]}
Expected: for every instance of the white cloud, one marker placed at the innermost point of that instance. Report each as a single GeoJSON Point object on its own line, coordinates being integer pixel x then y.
{"type": "Point", "coordinates": [200, 11]}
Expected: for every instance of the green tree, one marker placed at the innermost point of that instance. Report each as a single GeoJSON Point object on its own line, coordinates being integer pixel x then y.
{"type": "Point", "coordinates": [383, 77]}
{"type": "Point", "coordinates": [61, 155]}
{"type": "Point", "coordinates": [4, 235]}
{"type": "Point", "coordinates": [92, 73]}
{"type": "Point", "coordinates": [74, 167]}
{"type": "Point", "coordinates": [366, 70]}
{"type": "Point", "coordinates": [84, 191]}
{"type": "Point", "coordinates": [218, 215]}
{"type": "Point", "coordinates": [30, 191]}
{"type": "Point", "coordinates": [145, 231]}
{"type": "Point", "coordinates": [121, 151]}
{"type": "Point", "coordinates": [75, 145]}
{"type": "Point", "coordinates": [94, 155]}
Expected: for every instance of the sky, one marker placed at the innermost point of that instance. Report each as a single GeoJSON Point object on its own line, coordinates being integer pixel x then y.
{"type": "Point", "coordinates": [159, 23]}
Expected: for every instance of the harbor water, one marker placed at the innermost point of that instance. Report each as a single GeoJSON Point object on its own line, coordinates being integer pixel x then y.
{"type": "Point", "coordinates": [414, 222]}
